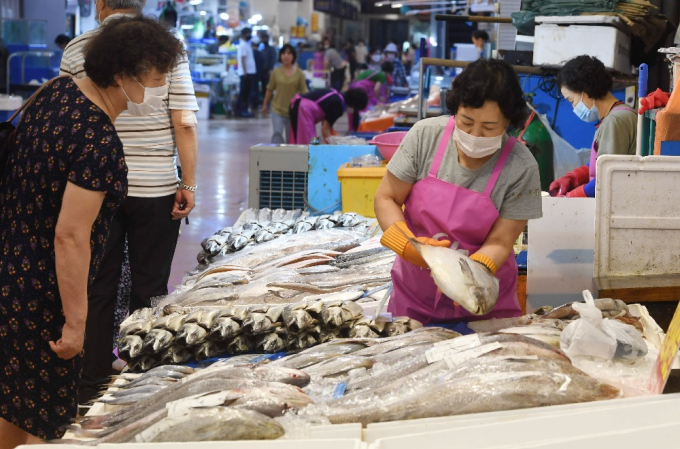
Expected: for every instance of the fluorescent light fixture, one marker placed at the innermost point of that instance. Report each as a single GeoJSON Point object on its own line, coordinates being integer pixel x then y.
{"type": "Point", "coordinates": [378, 5]}
{"type": "Point", "coordinates": [195, 2]}
{"type": "Point", "coordinates": [257, 17]}
{"type": "Point", "coordinates": [187, 27]}
{"type": "Point", "coordinates": [397, 5]}
{"type": "Point", "coordinates": [224, 16]}
{"type": "Point", "coordinates": [433, 42]}
{"type": "Point", "coordinates": [439, 78]}
{"type": "Point", "coordinates": [203, 13]}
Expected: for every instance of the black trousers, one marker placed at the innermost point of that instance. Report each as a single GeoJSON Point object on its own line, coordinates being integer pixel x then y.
{"type": "Point", "coordinates": [152, 237]}
{"type": "Point", "coordinates": [337, 78]}
{"type": "Point", "coordinates": [248, 83]}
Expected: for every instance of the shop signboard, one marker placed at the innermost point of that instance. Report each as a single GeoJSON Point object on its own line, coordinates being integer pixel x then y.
{"type": "Point", "coordinates": [324, 5]}
{"type": "Point", "coordinates": [669, 348]}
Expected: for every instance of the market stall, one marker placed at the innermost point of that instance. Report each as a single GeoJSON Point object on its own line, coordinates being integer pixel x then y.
{"type": "Point", "coordinates": [281, 334]}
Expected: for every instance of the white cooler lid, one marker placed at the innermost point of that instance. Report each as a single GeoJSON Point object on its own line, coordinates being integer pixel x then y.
{"type": "Point", "coordinates": [10, 102]}
{"type": "Point", "coordinates": [601, 20]}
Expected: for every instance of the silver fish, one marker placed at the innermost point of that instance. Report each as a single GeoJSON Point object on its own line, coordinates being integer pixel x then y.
{"type": "Point", "coordinates": [216, 424]}
{"type": "Point", "coordinates": [461, 279]}
{"type": "Point", "coordinates": [338, 314]}
{"type": "Point", "coordinates": [171, 323]}
{"type": "Point", "coordinates": [298, 317]}
{"type": "Point", "coordinates": [130, 347]}
{"type": "Point", "coordinates": [224, 328]}
{"type": "Point", "coordinates": [339, 365]}
{"type": "Point", "coordinates": [270, 343]}
{"type": "Point", "coordinates": [210, 349]}
{"type": "Point", "coordinates": [262, 320]}
{"type": "Point", "coordinates": [176, 354]}
{"type": "Point", "coordinates": [239, 345]}
{"type": "Point", "coordinates": [143, 363]}
{"type": "Point", "coordinates": [191, 334]}
{"type": "Point", "coordinates": [157, 340]}
{"type": "Point", "coordinates": [136, 328]}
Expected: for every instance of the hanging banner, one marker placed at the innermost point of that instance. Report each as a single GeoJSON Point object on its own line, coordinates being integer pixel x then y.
{"type": "Point", "coordinates": [315, 23]}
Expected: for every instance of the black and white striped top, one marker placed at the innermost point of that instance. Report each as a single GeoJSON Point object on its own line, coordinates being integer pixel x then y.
{"type": "Point", "coordinates": [149, 141]}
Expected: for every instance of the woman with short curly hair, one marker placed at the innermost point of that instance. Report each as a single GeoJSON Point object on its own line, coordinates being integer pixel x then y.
{"type": "Point", "coordinates": [65, 178]}
{"type": "Point", "coordinates": [462, 177]}
{"type": "Point", "coordinates": [586, 84]}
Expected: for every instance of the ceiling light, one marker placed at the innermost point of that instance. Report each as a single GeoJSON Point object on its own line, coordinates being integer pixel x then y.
{"type": "Point", "coordinates": [195, 2]}
{"type": "Point", "coordinates": [203, 13]}
{"type": "Point", "coordinates": [224, 16]}
{"type": "Point", "coordinates": [397, 5]}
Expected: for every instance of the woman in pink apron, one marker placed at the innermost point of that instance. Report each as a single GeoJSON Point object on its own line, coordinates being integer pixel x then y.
{"type": "Point", "coordinates": [462, 179]}
{"type": "Point", "coordinates": [376, 85]}
{"type": "Point", "coordinates": [587, 85]}
{"type": "Point", "coordinates": [321, 106]}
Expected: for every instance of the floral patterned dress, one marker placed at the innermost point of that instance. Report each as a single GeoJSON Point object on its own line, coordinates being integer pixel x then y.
{"type": "Point", "coordinates": [63, 137]}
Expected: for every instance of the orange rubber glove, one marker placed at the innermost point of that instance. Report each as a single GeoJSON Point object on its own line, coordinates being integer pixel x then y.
{"type": "Point", "coordinates": [486, 261]}
{"type": "Point", "coordinates": [396, 238]}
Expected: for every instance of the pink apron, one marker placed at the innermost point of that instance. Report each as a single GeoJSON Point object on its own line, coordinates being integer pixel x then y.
{"type": "Point", "coordinates": [434, 207]}
{"type": "Point", "coordinates": [309, 114]}
{"type": "Point", "coordinates": [367, 86]}
{"type": "Point", "coordinates": [593, 150]}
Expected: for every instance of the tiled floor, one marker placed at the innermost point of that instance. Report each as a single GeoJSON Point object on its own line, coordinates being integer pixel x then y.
{"type": "Point", "coordinates": [222, 177]}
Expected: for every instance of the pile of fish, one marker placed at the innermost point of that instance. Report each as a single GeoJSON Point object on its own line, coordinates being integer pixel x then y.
{"type": "Point", "coordinates": [428, 372]}
{"type": "Point", "coordinates": [232, 401]}
{"type": "Point", "coordinates": [433, 372]}
{"type": "Point", "coordinates": [152, 337]}
{"type": "Point", "coordinates": [287, 269]}
{"type": "Point", "coordinates": [257, 226]}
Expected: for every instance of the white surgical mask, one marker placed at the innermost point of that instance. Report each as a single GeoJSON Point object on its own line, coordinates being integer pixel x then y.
{"type": "Point", "coordinates": [376, 58]}
{"type": "Point", "coordinates": [476, 147]}
{"type": "Point", "coordinates": [153, 100]}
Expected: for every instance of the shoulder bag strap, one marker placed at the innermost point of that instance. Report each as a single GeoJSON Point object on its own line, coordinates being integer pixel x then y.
{"type": "Point", "coordinates": [32, 97]}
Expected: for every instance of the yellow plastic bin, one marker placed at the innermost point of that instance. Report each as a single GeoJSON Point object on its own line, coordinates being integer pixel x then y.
{"type": "Point", "coordinates": [359, 185]}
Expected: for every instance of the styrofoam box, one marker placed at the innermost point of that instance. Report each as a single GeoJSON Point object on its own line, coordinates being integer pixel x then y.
{"type": "Point", "coordinates": [267, 444]}
{"type": "Point", "coordinates": [619, 415]}
{"type": "Point", "coordinates": [556, 44]}
{"type": "Point", "coordinates": [203, 108]}
{"type": "Point", "coordinates": [637, 216]}
{"type": "Point", "coordinates": [396, 429]}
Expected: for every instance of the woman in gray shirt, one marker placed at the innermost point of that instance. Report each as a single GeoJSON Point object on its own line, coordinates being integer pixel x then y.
{"type": "Point", "coordinates": [462, 177]}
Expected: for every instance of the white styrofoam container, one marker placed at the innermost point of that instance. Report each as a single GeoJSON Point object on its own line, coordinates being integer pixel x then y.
{"type": "Point", "coordinates": [556, 44]}
{"type": "Point", "coordinates": [637, 219]}
{"type": "Point", "coordinates": [664, 435]}
{"type": "Point", "coordinates": [203, 112]}
{"type": "Point", "coordinates": [10, 102]}
{"type": "Point", "coordinates": [560, 257]}
{"type": "Point", "coordinates": [377, 431]}
{"type": "Point", "coordinates": [267, 444]}
{"type": "Point", "coordinates": [637, 414]}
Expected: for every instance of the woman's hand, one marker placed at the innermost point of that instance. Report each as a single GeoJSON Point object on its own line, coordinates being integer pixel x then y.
{"type": "Point", "coordinates": [71, 342]}
{"type": "Point", "coordinates": [264, 110]}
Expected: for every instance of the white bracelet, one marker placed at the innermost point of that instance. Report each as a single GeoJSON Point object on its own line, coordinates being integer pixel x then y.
{"type": "Point", "coordinates": [186, 187]}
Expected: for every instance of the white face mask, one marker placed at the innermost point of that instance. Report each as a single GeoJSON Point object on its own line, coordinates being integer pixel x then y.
{"type": "Point", "coordinates": [476, 147]}
{"type": "Point", "coordinates": [376, 58]}
{"type": "Point", "coordinates": [153, 100]}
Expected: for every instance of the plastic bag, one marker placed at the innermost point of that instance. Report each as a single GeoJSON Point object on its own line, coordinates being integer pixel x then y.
{"type": "Point", "coordinates": [367, 160]}
{"type": "Point", "coordinates": [594, 336]}
{"type": "Point", "coordinates": [629, 342]}
{"type": "Point", "coordinates": [565, 157]}
{"type": "Point", "coordinates": [584, 336]}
